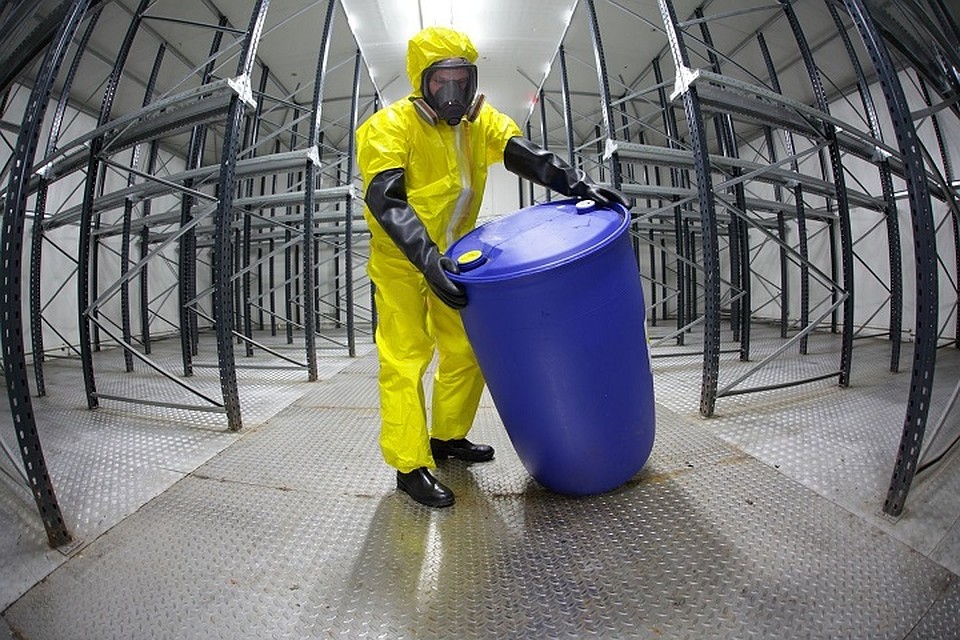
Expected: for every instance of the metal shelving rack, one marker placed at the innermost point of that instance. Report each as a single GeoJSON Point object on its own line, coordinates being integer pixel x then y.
{"type": "Point", "coordinates": [722, 163]}
{"type": "Point", "coordinates": [251, 194]}
{"type": "Point", "coordinates": [701, 206]}
{"type": "Point", "coordinates": [15, 200]}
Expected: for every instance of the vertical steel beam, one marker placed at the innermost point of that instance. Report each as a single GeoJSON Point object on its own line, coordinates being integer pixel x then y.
{"type": "Point", "coordinates": [94, 271]}
{"type": "Point", "coordinates": [652, 256]}
{"type": "Point", "coordinates": [288, 252]}
{"type": "Point", "coordinates": [309, 203]}
{"type": "Point", "coordinates": [36, 253]}
{"type": "Point", "coordinates": [799, 205]}
{"type": "Point", "coordinates": [348, 227]}
{"type": "Point", "coordinates": [832, 244]}
{"type": "Point", "coordinates": [316, 253]}
{"type": "Point", "coordinates": [598, 136]}
{"type": "Point", "coordinates": [886, 184]}
{"type": "Point", "coordinates": [839, 181]}
{"type": "Point", "coordinates": [631, 177]}
{"type": "Point", "coordinates": [567, 109]}
{"type": "Point", "coordinates": [222, 273]}
{"type": "Point", "coordinates": [784, 273]}
{"type": "Point", "coordinates": [673, 142]}
{"type": "Point", "coordinates": [544, 137]}
{"type": "Point", "coordinates": [144, 287]}
{"type": "Point", "coordinates": [955, 211]}
{"type": "Point", "coordinates": [11, 321]}
{"type": "Point", "coordinates": [151, 166]}
{"type": "Point", "coordinates": [530, 185]}
{"type": "Point", "coordinates": [272, 266]}
{"type": "Point", "coordinates": [187, 286]}
{"type": "Point", "coordinates": [739, 233]}
{"type": "Point", "coordinates": [128, 219]}
{"type": "Point", "coordinates": [544, 133]}
{"type": "Point", "coordinates": [708, 216]}
{"type": "Point", "coordinates": [85, 256]}
{"type": "Point", "coordinates": [689, 287]}
{"type": "Point", "coordinates": [251, 135]}
{"type": "Point", "coordinates": [803, 239]}
{"type": "Point", "coordinates": [606, 108]}
{"type": "Point", "coordinates": [663, 270]}
{"type": "Point", "coordinates": [237, 269]}
{"type": "Point", "coordinates": [781, 218]}
{"type": "Point", "coordinates": [925, 250]}
{"type": "Point", "coordinates": [690, 278]}
{"type": "Point", "coordinates": [260, 277]}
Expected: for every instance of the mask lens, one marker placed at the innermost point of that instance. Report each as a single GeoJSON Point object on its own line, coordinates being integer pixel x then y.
{"type": "Point", "coordinates": [449, 89]}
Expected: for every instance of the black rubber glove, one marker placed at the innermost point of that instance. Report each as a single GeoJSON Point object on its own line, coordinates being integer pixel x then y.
{"type": "Point", "coordinates": [547, 169]}
{"type": "Point", "coordinates": [387, 200]}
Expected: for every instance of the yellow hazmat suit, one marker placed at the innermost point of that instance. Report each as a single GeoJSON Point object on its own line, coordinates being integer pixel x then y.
{"type": "Point", "coordinates": [445, 171]}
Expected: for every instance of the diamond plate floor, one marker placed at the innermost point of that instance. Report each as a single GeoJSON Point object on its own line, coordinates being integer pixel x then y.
{"type": "Point", "coordinates": [762, 522]}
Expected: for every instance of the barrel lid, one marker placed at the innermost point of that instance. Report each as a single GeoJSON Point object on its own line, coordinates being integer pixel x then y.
{"type": "Point", "coordinates": [536, 239]}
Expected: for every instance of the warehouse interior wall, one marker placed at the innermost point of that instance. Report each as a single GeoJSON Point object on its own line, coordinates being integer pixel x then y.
{"type": "Point", "coordinates": [60, 264]}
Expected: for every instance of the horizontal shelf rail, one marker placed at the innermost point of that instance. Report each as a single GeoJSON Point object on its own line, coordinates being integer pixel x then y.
{"type": "Point", "coordinates": [772, 174]}
{"type": "Point", "coordinates": [204, 104]}
{"type": "Point", "coordinates": [155, 187]}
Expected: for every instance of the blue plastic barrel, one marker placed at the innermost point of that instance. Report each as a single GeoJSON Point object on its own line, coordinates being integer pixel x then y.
{"type": "Point", "coordinates": [556, 319]}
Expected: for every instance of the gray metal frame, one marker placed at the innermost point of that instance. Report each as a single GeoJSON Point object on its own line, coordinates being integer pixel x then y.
{"type": "Point", "coordinates": [223, 219]}
{"type": "Point", "coordinates": [725, 99]}
{"type": "Point", "coordinates": [890, 204]}
{"type": "Point", "coordinates": [36, 252]}
{"type": "Point", "coordinates": [14, 213]}
{"type": "Point", "coordinates": [708, 215]}
{"type": "Point", "coordinates": [925, 352]}
{"type": "Point", "coordinates": [239, 229]}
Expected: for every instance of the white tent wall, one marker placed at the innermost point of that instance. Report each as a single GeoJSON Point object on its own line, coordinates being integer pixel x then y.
{"type": "Point", "coordinates": [58, 275]}
{"type": "Point", "coordinates": [869, 235]}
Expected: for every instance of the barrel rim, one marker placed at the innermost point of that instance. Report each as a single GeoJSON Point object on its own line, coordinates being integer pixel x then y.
{"type": "Point", "coordinates": [470, 277]}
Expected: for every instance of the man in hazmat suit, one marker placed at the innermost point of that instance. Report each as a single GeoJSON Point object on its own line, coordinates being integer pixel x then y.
{"type": "Point", "coordinates": [424, 162]}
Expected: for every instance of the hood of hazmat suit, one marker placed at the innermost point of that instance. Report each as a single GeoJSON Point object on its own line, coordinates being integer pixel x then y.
{"type": "Point", "coordinates": [433, 45]}
{"type": "Point", "coordinates": [445, 166]}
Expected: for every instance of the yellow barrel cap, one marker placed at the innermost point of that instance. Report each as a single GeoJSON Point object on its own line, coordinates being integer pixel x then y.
{"type": "Point", "coordinates": [469, 256]}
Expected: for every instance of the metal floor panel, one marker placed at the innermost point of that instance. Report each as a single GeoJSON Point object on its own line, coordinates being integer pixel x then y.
{"type": "Point", "coordinates": [842, 443]}
{"type": "Point", "coordinates": [756, 523]}
{"type": "Point", "coordinates": [107, 463]}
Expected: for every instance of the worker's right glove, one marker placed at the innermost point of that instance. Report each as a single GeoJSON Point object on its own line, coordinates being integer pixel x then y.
{"type": "Point", "coordinates": [530, 161]}
{"type": "Point", "coordinates": [387, 200]}
{"type": "Point", "coordinates": [435, 272]}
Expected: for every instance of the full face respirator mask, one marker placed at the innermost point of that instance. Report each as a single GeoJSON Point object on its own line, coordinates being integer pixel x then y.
{"type": "Point", "coordinates": [449, 89]}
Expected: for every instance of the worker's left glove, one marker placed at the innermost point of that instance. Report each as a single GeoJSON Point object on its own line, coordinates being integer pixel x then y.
{"type": "Point", "coordinates": [547, 169]}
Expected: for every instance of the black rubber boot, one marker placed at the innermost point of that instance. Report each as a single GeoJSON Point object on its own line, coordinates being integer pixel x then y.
{"type": "Point", "coordinates": [420, 485]}
{"type": "Point", "coordinates": [461, 449]}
